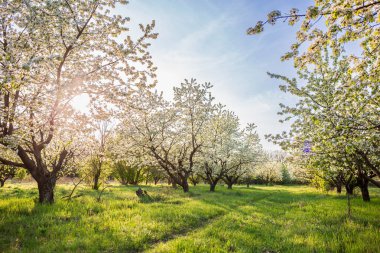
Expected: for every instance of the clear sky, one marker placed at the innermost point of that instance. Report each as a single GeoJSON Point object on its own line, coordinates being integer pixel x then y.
{"type": "Point", "coordinates": [206, 40]}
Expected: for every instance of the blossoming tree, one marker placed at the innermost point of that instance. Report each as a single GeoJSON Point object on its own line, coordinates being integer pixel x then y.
{"type": "Point", "coordinates": [52, 51]}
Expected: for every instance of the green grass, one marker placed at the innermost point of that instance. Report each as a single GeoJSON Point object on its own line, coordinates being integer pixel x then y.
{"type": "Point", "coordinates": [258, 219]}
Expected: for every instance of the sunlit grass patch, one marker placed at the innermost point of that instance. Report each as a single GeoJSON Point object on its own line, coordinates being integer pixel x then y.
{"type": "Point", "coordinates": [256, 219]}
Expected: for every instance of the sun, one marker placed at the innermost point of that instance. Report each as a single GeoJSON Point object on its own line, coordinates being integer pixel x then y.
{"type": "Point", "coordinates": [80, 103]}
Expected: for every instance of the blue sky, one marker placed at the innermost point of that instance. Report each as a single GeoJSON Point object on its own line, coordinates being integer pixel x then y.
{"type": "Point", "coordinates": [206, 40]}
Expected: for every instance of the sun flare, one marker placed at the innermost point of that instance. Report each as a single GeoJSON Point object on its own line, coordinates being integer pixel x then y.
{"type": "Point", "coordinates": [80, 103]}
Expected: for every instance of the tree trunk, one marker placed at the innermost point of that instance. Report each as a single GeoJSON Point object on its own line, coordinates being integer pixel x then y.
{"type": "Point", "coordinates": [212, 187]}
{"type": "Point", "coordinates": [96, 181]}
{"type": "Point", "coordinates": [365, 193]}
{"type": "Point", "coordinates": [363, 185]}
{"type": "Point", "coordinates": [339, 188]}
{"type": "Point", "coordinates": [229, 186]}
{"type": "Point", "coordinates": [349, 189]}
{"type": "Point", "coordinates": [247, 185]}
{"type": "Point", "coordinates": [46, 190]}
{"type": "Point", "coordinates": [147, 178]}
{"type": "Point", "coordinates": [2, 182]}
{"type": "Point", "coordinates": [185, 185]}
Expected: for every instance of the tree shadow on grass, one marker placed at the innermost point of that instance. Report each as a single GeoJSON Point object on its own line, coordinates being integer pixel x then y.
{"type": "Point", "coordinates": [75, 225]}
{"type": "Point", "coordinates": [287, 222]}
{"type": "Point", "coordinates": [253, 220]}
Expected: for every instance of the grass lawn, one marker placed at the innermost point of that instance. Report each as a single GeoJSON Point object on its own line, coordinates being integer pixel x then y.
{"type": "Point", "coordinates": [256, 219]}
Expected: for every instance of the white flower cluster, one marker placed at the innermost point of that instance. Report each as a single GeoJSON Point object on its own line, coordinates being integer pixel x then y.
{"type": "Point", "coordinates": [272, 16]}
{"type": "Point", "coordinates": [293, 16]}
{"type": "Point", "coordinates": [312, 12]}
{"type": "Point", "coordinates": [11, 141]}
{"type": "Point", "coordinates": [259, 27]}
{"type": "Point", "coordinates": [293, 11]}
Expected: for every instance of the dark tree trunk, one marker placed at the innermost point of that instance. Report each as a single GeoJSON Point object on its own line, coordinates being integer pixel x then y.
{"type": "Point", "coordinates": [2, 182]}
{"type": "Point", "coordinates": [194, 180]}
{"type": "Point", "coordinates": [365, 193]}
{"type": "Point", "coordinates": [248, 185]}
{"type": "Point", "coordinates": [45, 179]}
{"type": "Point", "coordinates": [185, 185]}
{"type": "Point", "coordinates": [229, 186]}
{"type": "Point", "coordinates": [212, 181]}
{"type": "Point", "coordinates": [46, 189]}
{"type": "Point", "coordinates": [147, 179]}
{"type": "Point", "coordinates": [96, 181]}
{"type": "Point", "coordinates": [363, 185]}
{"type": "Point", "coordinates": [339, 188]}
{"type": "Point", "coordinates": [174, 184]}
{"type": "Point", "coordinates": [349, 189]}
